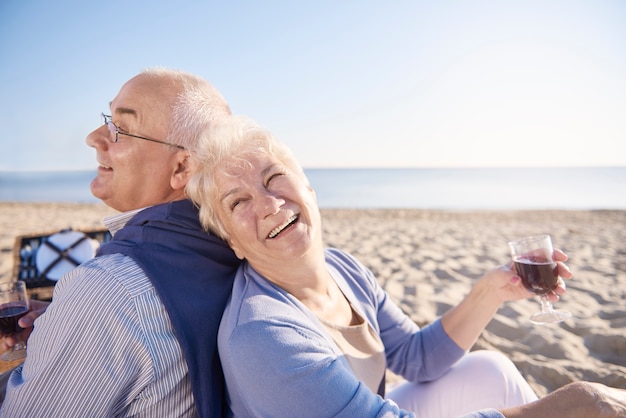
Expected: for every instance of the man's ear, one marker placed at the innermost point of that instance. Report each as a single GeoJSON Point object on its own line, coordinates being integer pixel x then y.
{"type": "Point", "coordinates": [182, 171]}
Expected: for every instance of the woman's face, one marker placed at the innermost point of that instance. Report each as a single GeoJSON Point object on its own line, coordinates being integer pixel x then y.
{"type": "Point", "coordinates": [269, 212]}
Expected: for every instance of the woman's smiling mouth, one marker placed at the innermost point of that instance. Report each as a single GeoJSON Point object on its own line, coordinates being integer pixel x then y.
{"type": "Point", "coordinates": [282, 227]}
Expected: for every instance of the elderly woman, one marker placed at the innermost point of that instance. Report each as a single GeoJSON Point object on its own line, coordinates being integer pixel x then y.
{"type": "Point", "coordinates": [308, 331]}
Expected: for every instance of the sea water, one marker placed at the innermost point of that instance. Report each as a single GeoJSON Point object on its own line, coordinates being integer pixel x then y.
{"type": "Point", "coordinates": [471, 188]}
{"type": "Point", "coordinates": [420, 188]}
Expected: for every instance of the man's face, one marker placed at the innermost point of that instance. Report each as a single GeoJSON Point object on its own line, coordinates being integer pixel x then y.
{"type": "Point", "coordinates": [134, 173]}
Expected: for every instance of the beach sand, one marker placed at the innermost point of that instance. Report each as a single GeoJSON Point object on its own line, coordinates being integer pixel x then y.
{"type": "Point", "coordinates": [428, 260]}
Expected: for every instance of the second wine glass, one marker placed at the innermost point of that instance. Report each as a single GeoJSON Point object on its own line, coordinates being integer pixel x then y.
{"type": "Point", "coordinates": [532, 258]}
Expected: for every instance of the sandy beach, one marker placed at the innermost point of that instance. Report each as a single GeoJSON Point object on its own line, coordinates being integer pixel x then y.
{"type": "Point", "coordinates": [428, 260]}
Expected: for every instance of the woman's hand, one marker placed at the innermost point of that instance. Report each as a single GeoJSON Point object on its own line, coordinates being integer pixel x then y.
{"type": "Point", "coordinates": [507, 285]}
{"type": "Point", "coordinates": [37, 308]}
{"type": "Point", "coordinates": [564, 273]}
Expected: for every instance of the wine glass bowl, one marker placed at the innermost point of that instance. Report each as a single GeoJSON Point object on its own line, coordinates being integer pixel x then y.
{"type": "Point", "coordinates": [532, 260]}
{"type": "Point", "coordinates": [14, 304]}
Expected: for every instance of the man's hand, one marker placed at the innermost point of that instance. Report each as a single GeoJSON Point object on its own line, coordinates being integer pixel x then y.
{"type": "Point", "coordinates": [37, 308]}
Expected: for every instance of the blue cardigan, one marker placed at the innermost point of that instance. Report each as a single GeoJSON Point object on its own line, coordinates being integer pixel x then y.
{"type": "Point", "coordinates": [278, 359]}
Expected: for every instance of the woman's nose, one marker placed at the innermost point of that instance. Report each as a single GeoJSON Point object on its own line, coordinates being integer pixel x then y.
{"type": "Point", "coordinates": [269, 204]}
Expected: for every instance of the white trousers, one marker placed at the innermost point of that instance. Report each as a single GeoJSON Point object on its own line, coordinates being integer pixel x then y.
{"type": "Point", "coordinates": [480, 380]}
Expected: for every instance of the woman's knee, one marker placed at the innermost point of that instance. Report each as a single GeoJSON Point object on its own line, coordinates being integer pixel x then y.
{"type": "Point", "coordinates": [497, 371]}
{"type": "Point", "coordinates": [490, 362]}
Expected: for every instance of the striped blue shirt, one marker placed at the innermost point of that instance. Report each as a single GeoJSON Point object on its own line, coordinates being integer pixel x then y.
{"type": "Point", "coordinates": [104, 347]}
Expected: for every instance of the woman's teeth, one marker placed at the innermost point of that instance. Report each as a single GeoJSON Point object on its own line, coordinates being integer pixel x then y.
{"type": "Point", "coordinates": [280, 228]}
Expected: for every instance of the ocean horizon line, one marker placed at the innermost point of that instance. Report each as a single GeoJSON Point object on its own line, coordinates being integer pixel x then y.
{"type": "Point", "coordinates": [434, 167]}
{"type": "Point", "coordinates": [371, 188]}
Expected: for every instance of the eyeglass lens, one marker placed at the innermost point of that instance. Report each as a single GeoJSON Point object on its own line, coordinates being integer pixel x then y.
{"type": "Point", "coordinates": [112, 127]}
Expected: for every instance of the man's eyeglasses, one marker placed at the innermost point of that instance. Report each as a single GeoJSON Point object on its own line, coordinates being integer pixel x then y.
{"type": "Point", "coordinates": [115, 132]}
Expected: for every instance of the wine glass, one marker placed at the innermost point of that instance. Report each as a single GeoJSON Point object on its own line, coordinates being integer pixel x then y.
{"type": "Point", "coordinates": [13, 305]}
{"type": "Point", "coordinates": [532, 258]}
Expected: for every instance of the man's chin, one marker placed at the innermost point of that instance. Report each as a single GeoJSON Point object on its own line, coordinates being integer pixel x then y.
{"type": "Point", "coordinates": [97, 189]}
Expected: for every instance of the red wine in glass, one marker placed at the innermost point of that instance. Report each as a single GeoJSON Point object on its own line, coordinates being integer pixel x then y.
{"type": "Point", "coordinates": [539, 275]}
{"type": "Point", "coordinates": [14, 303]}
{"type": "Point", "coordinates": [9, 315]}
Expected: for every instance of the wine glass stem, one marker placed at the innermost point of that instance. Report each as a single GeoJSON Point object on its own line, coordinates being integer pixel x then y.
{"type": "Point", "coordinates": [546, 305]}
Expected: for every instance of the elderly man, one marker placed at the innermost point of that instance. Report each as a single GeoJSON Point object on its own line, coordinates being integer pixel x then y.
{"type": "Point", "coordinates": [133, 331]}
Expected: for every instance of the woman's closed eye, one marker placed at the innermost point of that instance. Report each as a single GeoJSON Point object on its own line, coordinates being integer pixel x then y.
{"type": "Point", "coordinates": [233, 203]}
{"type": "Point", "coordinates": [272, 177]}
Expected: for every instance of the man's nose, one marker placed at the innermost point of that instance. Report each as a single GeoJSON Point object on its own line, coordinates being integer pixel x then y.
{"type": "Point", "coordinates": [99, 137]}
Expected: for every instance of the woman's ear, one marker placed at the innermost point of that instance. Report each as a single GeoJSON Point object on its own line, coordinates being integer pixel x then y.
{"type": "Point", "coordinates": [312, 192]}
{"type": "Point", "coordinates": [235, 249]}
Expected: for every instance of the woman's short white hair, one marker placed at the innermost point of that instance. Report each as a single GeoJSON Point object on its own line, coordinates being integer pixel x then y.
{"type": "Point", "coordinates": [230, 140]}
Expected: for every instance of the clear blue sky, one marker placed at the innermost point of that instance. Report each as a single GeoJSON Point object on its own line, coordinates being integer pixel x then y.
{"type": "Point", "coordinates": [344, 83]}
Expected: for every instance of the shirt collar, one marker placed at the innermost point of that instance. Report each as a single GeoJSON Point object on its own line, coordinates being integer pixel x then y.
{"type": "Point", "coordinates": [118, 221]}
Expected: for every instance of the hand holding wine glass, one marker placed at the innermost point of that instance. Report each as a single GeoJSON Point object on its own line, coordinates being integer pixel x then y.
{"type": "Point", "coordinates": [532, 260]}
{"type": "Point", "coordinates": [37, 308]}
{"type": "Point", "coordinates": [14, 304]}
